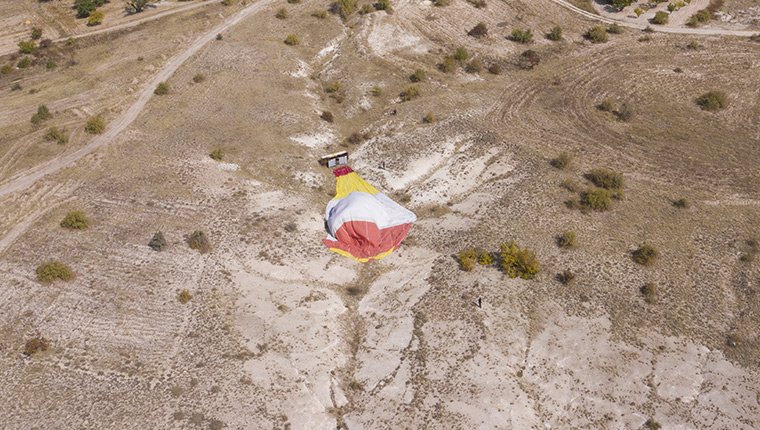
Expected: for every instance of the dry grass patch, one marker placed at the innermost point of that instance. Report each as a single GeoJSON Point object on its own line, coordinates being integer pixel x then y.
{"type": "Point", "coordinates": [53, 270]}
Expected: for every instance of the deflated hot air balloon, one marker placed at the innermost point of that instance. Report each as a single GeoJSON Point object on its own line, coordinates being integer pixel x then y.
{"type": "Point", "coordinates": [363, 223]}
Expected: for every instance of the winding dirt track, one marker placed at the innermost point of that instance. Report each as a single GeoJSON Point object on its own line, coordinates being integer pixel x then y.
{"type": "Point", "coordinates": [675, 30]}
{"type": "Point", "coordinates": [26, 179]}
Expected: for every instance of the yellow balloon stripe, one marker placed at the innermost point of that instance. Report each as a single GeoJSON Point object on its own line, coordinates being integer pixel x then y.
{"type": "Point", "coordinates": [347, 184]}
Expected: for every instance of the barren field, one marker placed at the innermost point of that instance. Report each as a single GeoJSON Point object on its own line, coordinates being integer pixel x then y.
{"type": "Point", "coordinates": [271, 330]}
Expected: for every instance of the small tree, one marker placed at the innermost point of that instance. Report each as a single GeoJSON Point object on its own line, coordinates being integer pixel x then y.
{"type": "Point", "coordinates": [157, 242]}
{"type": "Point", "coordinates": [42, 114]}
{"type": "Point", "coordinates": [597, 34]}
{"type": "Point", "coordinates": [517, 262]}
{"type": "Point", "coordinates": [660, 18]}
{"type": "Point", "coordinates": [521, 36]}
{"type": "Point", "coordinates": [555, 34]}
{"type": "Point", "coordinates": [135, 6]}
{"type": "Point", "coordinates": [95, 125]}
{"type": "Point", "coordinates": [162, 89]}
{"type": "Point", "coordinates": [51, 271]}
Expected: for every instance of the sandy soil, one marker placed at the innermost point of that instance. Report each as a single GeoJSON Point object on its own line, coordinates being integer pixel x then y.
{"type": "Point", "coordinates": [281, 333]}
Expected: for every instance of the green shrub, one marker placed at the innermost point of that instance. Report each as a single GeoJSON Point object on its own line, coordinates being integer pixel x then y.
{"type": "Point", "coordinates": [376, 91]}
{"type": "Point", "coordinates": [383, 5]}
{"type": "Point", "coordinates": [292, 40]}
{"type": "Point", "coordinates": [699, 18]}
{"type": "Point", "coordinates": [518, 262]}
{"type": "Point", "coordinates": [649, 291]}
{"type": "Point", "coordinates": [597, 34]}
{"type": "Point", "coordinates": [54, 270]}
{"type": "Point", "coordinates": [417, 76]}
{"type": "Point", "coordinates": [35, 345]}
{"type": "Point", "coordinates": [24, 62]}
{"type": "Point", "coordinates": [521, 36]}
{"type": "Point", "coordinates": [461, 54]}
{"type": "Point", "coordinates": [95, 125]}
{"type": "Point", "coordinates": [162, 89]}
{"type": "Point", "coordinates": [410, 93]}
{"type": "Point", "coordinates": [484, 258]}
{"type": "Point", "coordinates": [27, 46]}
{"type": "Point", "coordinates": [597, 199]}
{"type": "Point", "coordinates": [660, 18]}
{"type": "Point", "coordinates": [555, 34]}
{"type": "Point", "coordinates": [625, 113]}
{"type": "Point", "coordinates": [567, 240]}
{"type": "Point", "coordinates": [651, 424]}
{"type": "Point", "coordinates": [282, 13]}
{"type": "Point", "coordinates": [42, 114]}
{"type": "Point", "coordinates": [36, 33]}
{"type": "Point", "coordinates": [197, 240]}
{"type": "Point", "coordinates": [7, 68]}
{"type": "Point", "coordinates": [219, 36]}
{"type": "Point", "coordinates": [449, 65]}
{"type": "Point", "coordinates": [566, 277]}
{"type": "Point", "coordinates": [158, 242]}
{"type": "Point", "coordinates": [480, 30]}
{"type": "Point", "coordinates": [184, 296]}
{"type": "Point", "coordinates": [474, 66]}
{"type": "Point", "coordinates": [51, 65]}
{"type": "Point", "coordinates": [344, 8]}
{"type": "Point", "coordinates": [712, 100]}
{"type": "Point", "coordinates": [562, 161]}
{"type": "Point", "coordinates": [606, 105]}
{"type": "Point", "coordinates": [615, 29]}
{"type": "Point", "coordinates": [217, 154]}
{"type": "Point", "coordinates": [56, 135]}
{"type": "Point", "coordinates": [75, 220]}
{"type": "Point", "coordinates": [467, 259]}
{"type": "Point", "coordinates": [645, 255]}
{"type": "Point", "coordinates": [606, 178]}
{"type": "Point", "coordinates": [199, 77]}
{"type": "Point", "coordinates": [95, 18]}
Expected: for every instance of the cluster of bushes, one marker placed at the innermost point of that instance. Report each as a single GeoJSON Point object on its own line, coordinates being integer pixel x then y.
{"type": "Point", "coordinates": [624, 112]}
{"type": "Point", "coordinates": [512, 260]}
{"type": "Point", "coordinates": [56, 135]}
{"type": "Point", "coordinates": [137, 6]}
{"type": "Point", "coordinates": [85, 8]}
{"type": "Point", "coordinates": [343, 8]}
{"type": "Point", "coordinates": [459, 58]}
{"type": "Point", "coordinates": [607, 185]}
{"type": "Point", "coordinates": [42, 114]}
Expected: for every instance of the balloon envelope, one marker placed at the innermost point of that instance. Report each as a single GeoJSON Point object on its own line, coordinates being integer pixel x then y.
{"type": "Point", "coordinates": [363, 223]}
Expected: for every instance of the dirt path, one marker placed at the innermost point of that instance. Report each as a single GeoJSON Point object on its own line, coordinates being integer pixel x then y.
{"type": "Point", "coordinates": [26, 179]}
{"type": "Point", "coordinates": [10, 49]}
{"type": "Point", "coordinates": [675, 30]}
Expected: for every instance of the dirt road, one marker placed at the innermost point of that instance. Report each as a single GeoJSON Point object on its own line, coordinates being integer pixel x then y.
{"type": "Point", "coordinates": [675, 30]}
{"type": "Point", "coordinates": [26, 179]}
{"type": "Point", "coordinates": [11, 48]}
